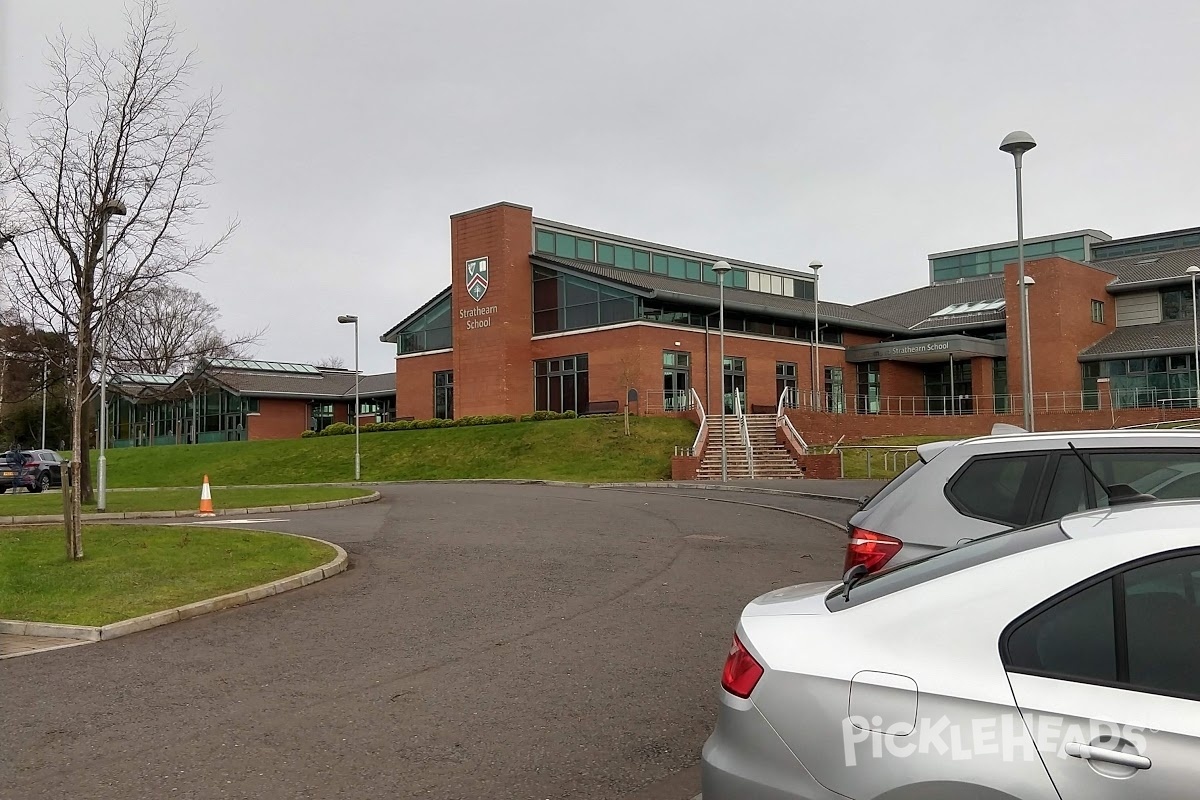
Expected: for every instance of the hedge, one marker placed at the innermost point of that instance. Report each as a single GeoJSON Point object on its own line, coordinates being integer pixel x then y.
{"type": "Point", "coordinates": [343, 429]}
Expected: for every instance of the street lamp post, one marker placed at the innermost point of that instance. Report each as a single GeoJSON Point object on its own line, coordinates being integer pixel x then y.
{"type": "Point", "coordinates": [110, 209]}
{"type": "Point", "coordinates": [817, 395]}
{"type": "Point", "coordinates": [1194, 270]}
{"type": "Point", "coordinates": [45, 387]}
{"type": "Point", "coordinates": [1017, 144]}
{"type": "Point", "coordinates": [347, 319]}
{"type": "Point", "coordinates": [721, 268]}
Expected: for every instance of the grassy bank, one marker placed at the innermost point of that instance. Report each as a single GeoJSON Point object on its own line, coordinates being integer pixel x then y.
{"type": "Point", "coordinates": [179, 499]}
{"type": "Point", "coordinates": [132, 570]}
{"type": "Point", "coordinates": [591, 449]}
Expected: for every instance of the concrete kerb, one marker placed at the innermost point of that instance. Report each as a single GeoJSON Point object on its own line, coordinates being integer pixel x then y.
{"type": "Point", "coordinates": [41, 519]}
{"type": "Point", "coordinates": [90, 633]}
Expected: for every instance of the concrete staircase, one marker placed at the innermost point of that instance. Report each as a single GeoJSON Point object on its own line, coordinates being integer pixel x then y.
{"type": "Point", "coordinates": [771, 458]}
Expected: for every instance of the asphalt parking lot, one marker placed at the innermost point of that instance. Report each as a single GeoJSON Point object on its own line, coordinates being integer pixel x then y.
{"type": "Point", "coordinates": [489, 641]}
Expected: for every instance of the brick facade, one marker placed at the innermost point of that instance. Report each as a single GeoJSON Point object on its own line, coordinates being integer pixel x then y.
{"type": "Point", "coordinates": [278, 419]}
{"type": "Point", "coordinates": [414, 384]}
{"type": "Point", "coordinates": [1060, 322]}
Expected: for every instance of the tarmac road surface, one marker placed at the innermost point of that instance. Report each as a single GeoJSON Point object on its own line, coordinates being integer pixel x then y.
{"type": "Point", "coordinates": [489, 641]}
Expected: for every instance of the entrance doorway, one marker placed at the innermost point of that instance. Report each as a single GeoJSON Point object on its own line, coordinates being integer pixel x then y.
{"type": "Point", "coordinates": [677, 379]}
{"type": "Point", "coordinates": [735, 381]}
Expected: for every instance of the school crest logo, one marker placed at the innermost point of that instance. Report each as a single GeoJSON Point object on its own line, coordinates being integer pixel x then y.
{"type": "Point", "coordinates": [477, 278]}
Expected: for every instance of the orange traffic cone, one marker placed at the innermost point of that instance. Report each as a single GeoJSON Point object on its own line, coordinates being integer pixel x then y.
{"type": "Point", "coordinates": [206, 506]}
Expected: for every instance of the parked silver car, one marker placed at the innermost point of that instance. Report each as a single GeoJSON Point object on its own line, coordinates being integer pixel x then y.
{"type": "Point", "coordinates": [962, 490]}
{"type": "Point", "coordinates": [1058, 661]}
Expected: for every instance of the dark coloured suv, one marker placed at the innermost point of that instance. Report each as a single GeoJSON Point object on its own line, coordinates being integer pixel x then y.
{"type": "Point", "coordinates": [963, 490]}
{"type": "Point", "coordinates": [35, 470]}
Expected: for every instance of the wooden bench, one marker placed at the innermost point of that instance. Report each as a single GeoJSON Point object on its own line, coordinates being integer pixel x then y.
{"type": "Point", "coordinates": [602, 407]}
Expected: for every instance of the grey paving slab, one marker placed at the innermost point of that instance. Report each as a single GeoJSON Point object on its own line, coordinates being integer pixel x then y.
{"type": "Point", "coordinates": [498, 641]}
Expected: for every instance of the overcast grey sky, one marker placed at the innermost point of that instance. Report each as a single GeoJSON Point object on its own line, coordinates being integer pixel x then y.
{"type": "Point", "coordinates": [860, 133]}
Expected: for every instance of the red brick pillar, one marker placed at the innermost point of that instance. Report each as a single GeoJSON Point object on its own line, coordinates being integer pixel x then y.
{"type": "Point", "coordinates": [493, 370]}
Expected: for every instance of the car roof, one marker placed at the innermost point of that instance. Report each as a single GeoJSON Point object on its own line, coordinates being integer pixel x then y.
{"type": "Point", "coordinates": [1167, 437]}
{"type": "Point", "coordinates": [1133, 518]}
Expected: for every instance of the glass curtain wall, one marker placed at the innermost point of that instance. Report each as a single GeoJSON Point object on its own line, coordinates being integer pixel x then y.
{"type": "Point", "coordinates": [561, 384]}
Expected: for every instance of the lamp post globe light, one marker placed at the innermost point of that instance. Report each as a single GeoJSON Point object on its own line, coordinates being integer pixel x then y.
{"type": "Point", "coordinates": [108, 210]}
{"type": "Point", "coordinates": [1018, 143]}
{"type": "Point", "coordinates": [351, 319]}
{"type": "Point", "coordinates": [721, 268]}
{"type": "Point", "coordinates": [1194, 270]}
{"type": "Point", "coordinates": [817, 394]}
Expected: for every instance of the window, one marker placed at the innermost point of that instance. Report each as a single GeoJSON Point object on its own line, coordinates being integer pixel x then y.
{"type": "Point", "coordinates": [1075, 638]}
{"type": "Point", "coordinates": [943, 562]}
{"type": "Point", "coordinates": [1000, 490]}
{"type": "Point", "coordinates": [545, 242]}
{"type": "Point", "coordinates": [1135, 629]}
{"type": "Point", "coordinates": [564, 245]}
{"type": "Point", "coordinates": [564, 302]}
{"type": "Point", "coordinates": [676, 267]}
{"type": "Point", "coordinates": [561, 384]}
{"type": "Point", "coordinates": [785, 380]}
{"type": "Point", "coordinates": [443, 395]}
{"type": "Point", "coordinates": [624, 257]}
{"type": "Point", "coordinates": [322, 416]}
{"type": "Point", "coordinates": [1165, 474]}
{"type": "Point", "coordinates": [430, 331]}
{"type": "Point", "coordinates": [605, 253]}
{"type": "Point", "coordinates": [1157, 381]}
{"type": "Point", "coordinates": [585, 250]}
{"type": "Point", "coordinates": [676, 379]}
{"type": "Point", "coordinates": [1177, 304]}
{"type": "Point", "coordinates": [868, 388]}
{"type": "Point", "coordinates": [1162, 625]}
{"type": "Point", "coordinates": [1097, 311]}
{"type": "Point", "coordinates": [835, 390]}
{"type": "Point", "coordinates": [1000, 385]}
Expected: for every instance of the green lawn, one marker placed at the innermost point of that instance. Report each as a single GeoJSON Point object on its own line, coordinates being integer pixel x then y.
{"type": "Point", "coordinates": [131, 570]}
{"type": "Point", "coordinates": [590, 449]}
{"type": "Point", "coordinates": [179, 499]}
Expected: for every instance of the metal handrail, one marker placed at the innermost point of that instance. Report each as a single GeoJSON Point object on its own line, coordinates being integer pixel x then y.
{"type": "Point", "coordinates": [702, 434]}
{"type": "Point", "coordinates": [782, 422]}
{"type": "Point", "coordinates": [745, 428]}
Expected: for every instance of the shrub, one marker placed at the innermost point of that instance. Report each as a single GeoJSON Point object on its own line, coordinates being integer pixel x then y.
{"type": "Point", "coordinates": [308, 434]}
{"type": "Point", "coordinates": [527, 418]}
{"type": "Point", "coordinates": [569, 415]}
{"type": "Point", "coordinates": [338, 429]}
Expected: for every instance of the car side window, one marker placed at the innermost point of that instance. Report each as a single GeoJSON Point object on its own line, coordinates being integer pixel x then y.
{"type": "Point", "coordinates": [1074, 639]}
{"type": "Point", "coordinates": [1068, 489]}
{"type": "Point", "coordinates": [1166, 474]}
{"type": "Point", "coordinates": [1162, 613]}
{"type": "Point", "coordinates": [999, 489]}
{"type": "Point", "coordinates": [1138, 629]}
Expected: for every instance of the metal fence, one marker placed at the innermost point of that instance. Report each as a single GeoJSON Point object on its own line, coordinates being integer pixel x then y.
{"type": "Point", "coordinates": [968, 404]}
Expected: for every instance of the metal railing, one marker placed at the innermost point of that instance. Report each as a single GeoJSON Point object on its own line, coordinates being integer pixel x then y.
{"type": "Point", "coordinates": [702, 434]}
{"type": "Point", "coordinates": [891, 457]}
{"type": "Point", "coordinates": [783, 424]}
{"type": "Point", "coordinates": [745, 429]}
{"type": "Point", "coordinates": [656, 402]}
{"type": "Point", "coordinates": [1190, 423]}
{"type": "Point", "coordinates": [1001, 404]}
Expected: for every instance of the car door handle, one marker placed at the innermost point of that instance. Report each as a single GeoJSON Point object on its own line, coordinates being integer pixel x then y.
{"type": "Point", "coordinates": [1091, 753]}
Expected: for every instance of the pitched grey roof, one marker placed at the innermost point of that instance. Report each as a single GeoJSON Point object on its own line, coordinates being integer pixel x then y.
{"type": "Point", "coordinates": [1137, 340]}
{"type": "Point", "coordinates": [1146, 270]}
{"type": "Point", "coordinates": [679, 290]}
{"type": "Point", "coordinates": [329, 385]}
{"type": "Point", "coordinates": [912, 309]}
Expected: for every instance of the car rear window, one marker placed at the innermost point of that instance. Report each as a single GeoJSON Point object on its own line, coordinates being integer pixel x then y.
{"type": "Point", "coordinates": [894, 484]}
{"type": "Point", "coordinates": [945, 562]}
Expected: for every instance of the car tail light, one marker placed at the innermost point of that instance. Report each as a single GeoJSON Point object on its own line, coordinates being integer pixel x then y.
{"type": "Point", "coordinates": [741, 672]}
{"type": "Point", "coordinates": [872, 550]}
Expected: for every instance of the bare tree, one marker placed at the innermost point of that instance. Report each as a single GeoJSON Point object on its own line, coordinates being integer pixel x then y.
{"type": "Point", "coordinates": [118, 135]}
{"type": "Point", "coordinates": [331, 362]}
{"type": "Point", "coordinates": [167, 328]}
